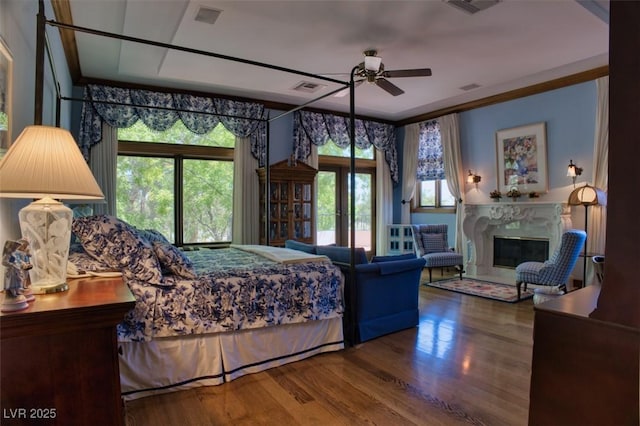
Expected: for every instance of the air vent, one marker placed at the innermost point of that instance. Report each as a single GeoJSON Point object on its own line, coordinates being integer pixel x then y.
{"type": "Point", "coordinates": [472, 6]}
{"type": "Point", "coordinates": [207, 15]}
{"type": "Point", "coordinates": [470, 87]}
{"type": "Point", "coordinates": [308, 87]}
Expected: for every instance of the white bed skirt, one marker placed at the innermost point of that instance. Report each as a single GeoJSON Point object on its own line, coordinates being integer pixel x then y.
{"type": "Point", "coordinates": [183, 362]}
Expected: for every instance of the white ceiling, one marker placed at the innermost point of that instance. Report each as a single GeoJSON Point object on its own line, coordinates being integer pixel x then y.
{"type": "Point", "coordinates": [514, 44]}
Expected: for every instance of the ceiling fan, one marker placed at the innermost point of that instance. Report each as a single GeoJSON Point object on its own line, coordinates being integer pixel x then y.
{"type": "Point", "coordinates": [372, 70]}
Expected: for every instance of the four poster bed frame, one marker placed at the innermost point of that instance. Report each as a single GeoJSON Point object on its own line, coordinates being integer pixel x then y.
{"type": "Point", "coordinates": [186, 358]}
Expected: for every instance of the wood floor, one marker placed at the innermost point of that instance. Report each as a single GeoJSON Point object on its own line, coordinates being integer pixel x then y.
{"type": "Point", "coordinates": [468, 362]}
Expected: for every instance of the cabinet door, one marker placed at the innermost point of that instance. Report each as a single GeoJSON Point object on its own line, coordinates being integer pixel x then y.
{"type": "Point", "coordinates": [301, 214]}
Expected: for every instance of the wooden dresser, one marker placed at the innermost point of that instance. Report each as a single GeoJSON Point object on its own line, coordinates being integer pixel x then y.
{"type": "Point", "coordinates": [59, 357]}
{"type": "Point", "coordinates": [584, 371]}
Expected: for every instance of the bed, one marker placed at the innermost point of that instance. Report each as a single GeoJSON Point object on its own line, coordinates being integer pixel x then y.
{"type": "Point", "coordinates": [209, 316]}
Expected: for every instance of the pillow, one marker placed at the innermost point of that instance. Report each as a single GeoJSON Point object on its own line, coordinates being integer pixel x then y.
{"type": "Point", "coordinates": [434, 243]}
{"type": "Point", "coordinates": [79, 263]}
{"type": "Point", "coordinates": [117, 244]}
{"type": "Point", "coordinates": [152, 236]}
{"type": "Point", "coordinates": [173, 261]}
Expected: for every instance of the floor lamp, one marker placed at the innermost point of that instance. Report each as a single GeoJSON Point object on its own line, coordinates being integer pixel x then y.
{"type": "Point", "coordinates": [586, 196]}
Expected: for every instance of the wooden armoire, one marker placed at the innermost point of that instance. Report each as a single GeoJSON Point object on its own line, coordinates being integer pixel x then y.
{"type": "Point", "coordinates": [291, 203]}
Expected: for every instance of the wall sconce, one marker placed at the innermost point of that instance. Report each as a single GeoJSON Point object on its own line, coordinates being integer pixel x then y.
{"type": "Point", "coordinates": [573, 171]}
{"type": "Point", "coordinates": [471, 178]}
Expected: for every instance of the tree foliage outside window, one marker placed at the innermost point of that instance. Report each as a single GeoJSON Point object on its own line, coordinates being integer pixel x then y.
{"type": "Point", "coordinates": [331, 149]}
{"type": "Point", "coordinates": [157, 178]}
{"type": "Point", "coordinates": [434, 193]}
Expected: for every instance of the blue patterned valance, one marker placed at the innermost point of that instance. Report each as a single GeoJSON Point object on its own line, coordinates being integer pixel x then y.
{"type": "Point", "coordinates": [121, 108]}
{"type": "Point", "coordinates": [317, 128]}
{"type": "Point", "coordinates": [430, 161]}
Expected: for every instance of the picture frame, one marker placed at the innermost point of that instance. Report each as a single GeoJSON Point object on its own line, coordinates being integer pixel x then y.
{"type": "Point", "coordinates": [521, 154]}
{"type": "Point", "coordinates": [6, 88]}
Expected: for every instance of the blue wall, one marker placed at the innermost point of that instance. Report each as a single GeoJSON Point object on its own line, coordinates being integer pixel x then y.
{"type": "Point", "coordinates": [569, 114]}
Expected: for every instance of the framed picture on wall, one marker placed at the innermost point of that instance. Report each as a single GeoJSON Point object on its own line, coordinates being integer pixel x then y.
{"type": "Point", "coordinates": [6, 69]}
{"type": "Point", "coordinates": [522, 158]}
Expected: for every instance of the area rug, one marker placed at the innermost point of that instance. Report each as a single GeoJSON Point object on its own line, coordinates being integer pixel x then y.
{"type": "Point", "coordinates": [486, 289]}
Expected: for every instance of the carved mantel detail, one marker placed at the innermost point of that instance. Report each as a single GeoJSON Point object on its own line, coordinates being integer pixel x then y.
{"type": "Point", "coordinates": [517, 219]}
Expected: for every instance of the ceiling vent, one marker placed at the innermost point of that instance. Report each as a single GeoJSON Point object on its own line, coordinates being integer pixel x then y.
{"type": "Point", "coordinates": [472, 6]}
{"type": "Point", "coordinates": [308, 87]}
{"type": "Point", "coordinates": [470, 87]}
{"type": "Point", "coordinates": [207, 15]}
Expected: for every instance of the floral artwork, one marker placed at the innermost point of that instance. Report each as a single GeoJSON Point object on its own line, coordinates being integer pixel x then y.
{"type": "Point", "coordinates": [520, 160]}
{"type": "Point", "coordinates": [521, 156]}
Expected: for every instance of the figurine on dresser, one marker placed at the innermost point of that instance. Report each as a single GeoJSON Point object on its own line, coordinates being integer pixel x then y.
{"type": "Point", "coordinates": [17, 262]}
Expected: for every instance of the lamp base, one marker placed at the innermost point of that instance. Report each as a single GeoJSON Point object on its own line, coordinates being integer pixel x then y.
{"type": "Point", "coordinates": [46, 225]}
{"type": "Point", "coordinates": [47, 289]}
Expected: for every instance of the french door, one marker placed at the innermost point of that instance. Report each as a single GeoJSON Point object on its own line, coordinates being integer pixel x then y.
{"type": "Point", "coordinates": [333, 207]}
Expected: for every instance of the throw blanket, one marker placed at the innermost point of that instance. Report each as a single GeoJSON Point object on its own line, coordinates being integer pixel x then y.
{"type": "Point", "coordinates": [280, 254]}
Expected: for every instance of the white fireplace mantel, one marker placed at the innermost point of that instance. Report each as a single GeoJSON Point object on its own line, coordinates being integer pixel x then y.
{"type": "Point", "coordinates": [482, 222]}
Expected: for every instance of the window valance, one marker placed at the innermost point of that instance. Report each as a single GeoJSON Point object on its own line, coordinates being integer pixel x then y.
{"type": "Point", "coordinates": [121, 108]}
{"type": "Point", "coordinates": [318, 128]}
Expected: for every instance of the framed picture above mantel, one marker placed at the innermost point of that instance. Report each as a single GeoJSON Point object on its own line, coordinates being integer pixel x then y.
{"type": "Point", "coordinates": [522, 158]}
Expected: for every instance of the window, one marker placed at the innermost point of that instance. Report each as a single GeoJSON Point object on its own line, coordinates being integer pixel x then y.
{"type": "Point", "coordinates": [176, 182]}
{"type": "Point", "coordinates": [432, 191]}
{"type": "Point", "coordinates": [434, 194]}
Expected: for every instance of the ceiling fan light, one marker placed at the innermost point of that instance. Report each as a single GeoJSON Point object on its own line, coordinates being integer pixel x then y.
{"type": "Point", "coordinates": [372, 63]}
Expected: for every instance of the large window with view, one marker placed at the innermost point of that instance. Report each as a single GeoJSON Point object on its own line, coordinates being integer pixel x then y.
{"type": "Point", "coordinates": [177, 182]}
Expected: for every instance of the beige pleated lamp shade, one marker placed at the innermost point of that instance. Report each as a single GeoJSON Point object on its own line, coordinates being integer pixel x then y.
{"type": "Point", "coordinates": [587, 196]}
{"type": "Point", "coordinates": [46, 162]}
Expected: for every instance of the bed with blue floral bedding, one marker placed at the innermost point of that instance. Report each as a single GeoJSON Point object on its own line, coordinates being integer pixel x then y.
{"type": "Point", "coordinates": [208, 316]}
{"type": "Point", "coordinates": [234, 290]}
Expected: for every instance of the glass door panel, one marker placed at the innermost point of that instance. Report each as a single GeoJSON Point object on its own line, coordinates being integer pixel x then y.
{"type": "Point", "coordinates": [364, 210]}
{"type": "Point", "coordinates": [328, 212]}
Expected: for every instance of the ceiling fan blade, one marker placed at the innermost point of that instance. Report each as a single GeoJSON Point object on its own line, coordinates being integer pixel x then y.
{"type": "Point", "coordinates": [389, 86]}
{"type": "Point", "coordinates": [345, 92]}
{"type": "Point", "coordinates": [418, 72]}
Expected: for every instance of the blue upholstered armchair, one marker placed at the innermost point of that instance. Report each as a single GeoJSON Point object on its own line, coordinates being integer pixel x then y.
{"type": "Point", "coordinates": [555, 271]}
{"type": "Point", "coordinates": [385, 296]}
{"type": "Point", "coordinates": [431, 244]}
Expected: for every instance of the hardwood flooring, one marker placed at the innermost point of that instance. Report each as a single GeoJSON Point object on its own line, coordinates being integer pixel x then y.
{"type": "Point", "coordinates": [468, 362]}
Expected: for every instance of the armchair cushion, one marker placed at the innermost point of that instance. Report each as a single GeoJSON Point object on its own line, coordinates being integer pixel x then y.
{"type": "Point", "coordinates": [434, 243]}
{"type": "Point", "coordinates": [376, 259]}
{"type": "Point", "coordinates": [342, 254]}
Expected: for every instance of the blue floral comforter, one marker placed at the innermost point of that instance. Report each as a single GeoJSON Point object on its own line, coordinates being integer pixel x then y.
{"type": "Point", "coordinates": [234, 290]}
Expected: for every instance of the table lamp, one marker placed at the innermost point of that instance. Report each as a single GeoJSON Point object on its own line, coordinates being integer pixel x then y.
{"type": "Point", "coordinates": [45, 163]}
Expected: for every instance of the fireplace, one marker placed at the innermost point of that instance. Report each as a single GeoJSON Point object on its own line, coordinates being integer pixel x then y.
{"type": "Point", "coordinates": [516, 222]}
{"type": "Point", "coordinates": [509, 252]}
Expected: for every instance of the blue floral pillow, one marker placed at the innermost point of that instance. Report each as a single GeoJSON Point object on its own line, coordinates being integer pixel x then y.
{"type": "Point", "coordinates": [152, 236]}
{"type": "Point", "coordinates": [117, 244]}
{"type": "Point", "coordinates": [173, 261]}
{"type": "Point", "coordinates": [80, 263]}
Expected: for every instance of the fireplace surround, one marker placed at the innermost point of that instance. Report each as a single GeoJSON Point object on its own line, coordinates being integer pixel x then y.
{"type": "Point", "coordinates": [528, 220]}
